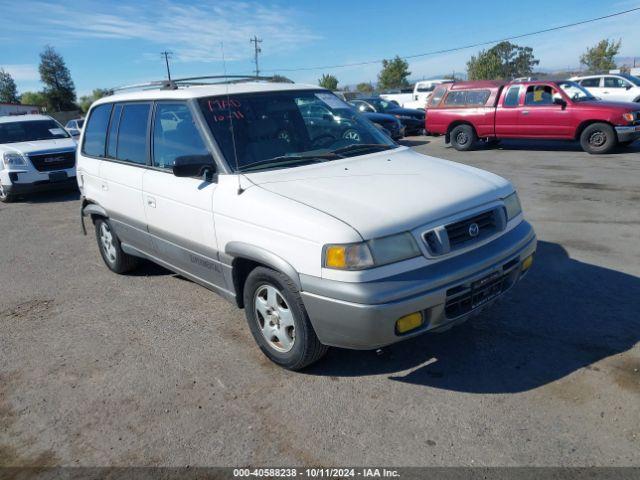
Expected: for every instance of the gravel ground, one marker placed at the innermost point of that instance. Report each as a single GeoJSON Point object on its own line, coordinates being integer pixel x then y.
{"type": "Point", "coordinates": [150, 369]}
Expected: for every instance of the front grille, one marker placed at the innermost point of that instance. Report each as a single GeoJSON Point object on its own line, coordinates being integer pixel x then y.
{"type": "Point", "coordinates": [47, 162]}
{"type": "Point", "coordinates": [465, 298]}
{"type": "Point", "coordinates": [464, 230]}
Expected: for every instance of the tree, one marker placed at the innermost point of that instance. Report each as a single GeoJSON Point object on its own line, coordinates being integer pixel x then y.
{"type": "Point", "coordinates": [8, 89]}
{"type": "Point", "coordinates": [503, 61]}
{"type": "Point", "coordinates": [364, 87]}
{"type": "Point", "coordinates": [328, 81]}
{"type": "Point", "coordinates": [600, 58]}
{"type": "Point", "coordinates": [394, 73]}
{"type": "Point", "coordinates": [59, 88]}
{"type": "Point", "coordinates": [87, 100]}
{"type": "Point", "coordinates": [33, 98]}
{"type": "Point", "coordinates": [280, 79]}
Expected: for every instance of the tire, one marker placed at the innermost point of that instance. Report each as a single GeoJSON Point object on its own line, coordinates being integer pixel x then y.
{"type": "Point", "coordinates": [598, 139]}
{"type": "Point", "coordinates": [278, 320]}
{"type": "Point", "coordinates": [463, 137]}
{"type": "Point", "coordinates": [4, 196]}
{"type": "Point", "coordinates": [110, 249]}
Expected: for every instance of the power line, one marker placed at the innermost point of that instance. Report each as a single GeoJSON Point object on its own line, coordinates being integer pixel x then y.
{"type": "Point", "coordinates": [255, 40]}
{"type": "Point", "coordinates": [166, 54]}
{"type": "Point", "coordinates": [455, 49]}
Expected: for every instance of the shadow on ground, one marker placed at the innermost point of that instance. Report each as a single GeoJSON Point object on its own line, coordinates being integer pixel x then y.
{"type": "Point", "coordinates": [548, 146]}
{"type": "Point", "coordinates": [50, 197]}
{"type": "Point", "coordinates": [563, 316]}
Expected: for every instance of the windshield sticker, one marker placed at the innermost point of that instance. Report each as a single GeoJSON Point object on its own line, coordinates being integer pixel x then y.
{"type": "Point", "coordinates": [56, 131]}
{"type": "Point", "coordinates": [331, 100]}
{"type": "Point", "coordinates": [225, 109]}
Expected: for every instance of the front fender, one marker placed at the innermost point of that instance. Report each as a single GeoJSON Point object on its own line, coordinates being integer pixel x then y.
{"type": "Point", "coordinates": [265, 257]}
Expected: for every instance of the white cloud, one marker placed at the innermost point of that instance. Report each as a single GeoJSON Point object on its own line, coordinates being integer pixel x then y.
{"type": "Point", "coordinates": [22, 72]}
{"type": "Point", "coordinates": [193, 32]}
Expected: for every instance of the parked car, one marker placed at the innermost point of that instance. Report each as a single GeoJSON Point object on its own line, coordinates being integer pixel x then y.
{"type": "Point", "coordinates": [612, 87]}
{"type": "Point", "coordinates": [411, 119]}
{"type": "Point", "coordinates": [467, 111]}
{"type": "Point", "coordinates": [388, 123]}
{"type": "Point", "coordinates": [36, 154]}
{"type": "Point", "coordinates": [417, 98]}
{"type": "Point", "coordinates": [74, 127]}
{"type": "Point", "coordinates": [323, 239]}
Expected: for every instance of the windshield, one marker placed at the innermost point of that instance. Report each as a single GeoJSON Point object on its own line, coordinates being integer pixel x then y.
{"type": "Point", "coordinates": [575, 92]}
{"type": "Point", "coordinates": [382, 105]}
{"type": "Point", "coordinates": [633, 79]}
{"type": "Point", "coordinates": [285, 129]}
{"type": "Point", "coordinates": [29, 131]}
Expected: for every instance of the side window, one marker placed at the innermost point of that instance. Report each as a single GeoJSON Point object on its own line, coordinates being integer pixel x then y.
{"type": "Point", "coordinates": [96, 132]}
{"type": "Point", "coordinates": [512, 97]}
{"type": "Point", "coordinates": [614, 82]}
{"type": "Point", "coordinates": [112, 142]}
{"type": "Point", "coordinates": [175, 136]}
{"type": "Point", "coordinates": [132, 133]}
{"type": "Point", "coordinates": [456, 98]}
{"type": "Point", "coordinates": [477, 97]}
{"type": "Point", "coordinates": [437, 95]}
{"type": "Point", "coordinates": [539, 95]}
{"type": "Point", "coordinates": [590, 82]}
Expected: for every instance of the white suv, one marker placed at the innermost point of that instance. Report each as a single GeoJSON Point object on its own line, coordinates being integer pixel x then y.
{"type": "Point", "coordinates": [325, 231]}
{"type": "Point", "coordinates": [36, 154]}
{"type": "Point", "coordinates": [612, 87]}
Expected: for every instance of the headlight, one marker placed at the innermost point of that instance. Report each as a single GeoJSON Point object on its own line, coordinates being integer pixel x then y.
{"type": "Point", "coordinates": [373, 253]}
{"type": "Point", "coordinates": [11, 159]}
{"type": "Point", "coordinates": [512, 204]}
{"type": "Point", "coordinates": [631, 116]}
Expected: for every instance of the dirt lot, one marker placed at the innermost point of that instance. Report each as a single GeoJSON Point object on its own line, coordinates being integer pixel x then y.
{"type": "Point", "coordinates": [150, 369]}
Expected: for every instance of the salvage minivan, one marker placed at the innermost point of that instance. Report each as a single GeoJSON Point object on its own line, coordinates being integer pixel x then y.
{"type": "Point", "coordinates": [325, 235]}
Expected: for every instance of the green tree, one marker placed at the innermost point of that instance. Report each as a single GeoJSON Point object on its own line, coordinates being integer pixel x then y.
{"type": "Point", "coordinates": [59, 88]}
{"type": "Point", "coordinates": [394, 73]}
{"type": "Point", "coordinates": [87, 100]}
{"type": "Point", "coordinates": [280, 79]}
{"type": "Point", "coordinates": [600, 58]}
{"type": "Point", "coordinates": [328, 81]}
{"type": "Point", "coordinates": [8, 89]}
{"type": "Point", "coordinates": [364, 87]}
{"type": "Point", "coordinates": [503, 61]}
{"type": "Point", "coordinates": [33, 98]}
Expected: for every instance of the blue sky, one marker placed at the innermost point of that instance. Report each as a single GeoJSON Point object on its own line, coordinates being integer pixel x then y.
{"type": "Point", "coordinates": [109, 43]}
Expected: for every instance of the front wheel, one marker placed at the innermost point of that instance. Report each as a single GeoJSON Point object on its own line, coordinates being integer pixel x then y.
{"type": "Point", "coordinates": [463, 137]}
{"type": "Point", "coordinates": [278, 320]}
{"type": "Point", "coordinates": [5, 197]}
{"type": "Point", "coordinates": [598, 138]}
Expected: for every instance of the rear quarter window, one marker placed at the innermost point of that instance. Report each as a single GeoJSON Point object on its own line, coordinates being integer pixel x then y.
{"type": "Point", "coordinates": [437, 96]}
{"type": "Point", "coordinates": [95, 133]}
{"type": "Point", "coordinates": [467, 98]}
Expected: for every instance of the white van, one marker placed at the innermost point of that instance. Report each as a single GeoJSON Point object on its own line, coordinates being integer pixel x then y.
{"type": "Point", "coordinates": [36, 154]}
{"type": "Point", "coordinates": [326, 232]}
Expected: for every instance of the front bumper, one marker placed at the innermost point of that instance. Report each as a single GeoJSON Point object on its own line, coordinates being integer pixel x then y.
{"type": "Point", "coordinates": [363, 315]}
{"type": "Point", "coordinates": [628, 133]}
{"type": "Point", "coordinates": [41, 186]}
{"type": "Point", "coordinates": [412, 126]}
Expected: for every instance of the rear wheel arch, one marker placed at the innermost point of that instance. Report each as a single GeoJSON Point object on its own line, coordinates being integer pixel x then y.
{"type": "Point", "coordinates": [453, 125]}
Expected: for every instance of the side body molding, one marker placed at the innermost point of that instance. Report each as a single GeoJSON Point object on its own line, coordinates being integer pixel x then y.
{"type": "Point", "coordinates": [260, 255]}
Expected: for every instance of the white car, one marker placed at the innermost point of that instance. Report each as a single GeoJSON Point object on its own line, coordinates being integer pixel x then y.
{"type": "Point", "coordinates": [327, 234]}
{"type": "Point", "coordinates": [613, 87]}
{"type": "Point", "coordinates": [74, 127]}
{"type": "Point", "coordinates": [422, 91]}
{"type": "Point", "coordinates": [36, 154]}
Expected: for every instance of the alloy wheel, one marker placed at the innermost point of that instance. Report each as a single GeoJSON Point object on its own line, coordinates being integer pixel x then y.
{"type": "Point", "coordinates": [275, 318]}
{"type": "Point", "coordinates": [107, 243]}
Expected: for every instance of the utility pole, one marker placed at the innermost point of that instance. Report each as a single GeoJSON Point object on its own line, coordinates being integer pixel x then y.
{"type": "Point", "coordinates": [256, 48]}
{"type": "Point", "coordinates": [166, 54]}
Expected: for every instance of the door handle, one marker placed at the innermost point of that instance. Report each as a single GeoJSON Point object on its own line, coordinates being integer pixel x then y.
{"type": "Point", "coordinates": [151, 202]}
{"type": "Point", "coordinates": [605, 92]}
{"type": "Point", "coordinates": [104, 187]}
{"type": "Point", "coordinates": [525, 112]}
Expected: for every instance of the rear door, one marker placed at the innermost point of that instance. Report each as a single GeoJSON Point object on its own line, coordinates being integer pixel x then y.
{"type": "Point", "coordinates": [122, 170]}
{"type": "Point", "coordinates": [594, 86]}
{"type": "Point", "coordinates": [540, 117]}
{"type": "Point", "coordinates": [179, 210]}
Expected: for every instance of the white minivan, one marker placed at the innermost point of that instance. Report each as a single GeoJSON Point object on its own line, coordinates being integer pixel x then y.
{"type": "Point", "coordinates": [326, 232]}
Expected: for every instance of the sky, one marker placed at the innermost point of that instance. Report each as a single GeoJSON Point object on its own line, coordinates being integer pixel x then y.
{"type": "Point", "coordinates": [110, 43]}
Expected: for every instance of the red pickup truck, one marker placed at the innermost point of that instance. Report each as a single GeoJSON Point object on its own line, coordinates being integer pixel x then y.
{"type": "Point", "coordinates": [467, 111]}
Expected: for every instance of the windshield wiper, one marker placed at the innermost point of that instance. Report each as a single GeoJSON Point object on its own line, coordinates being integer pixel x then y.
{"type": "Point", "coordinates": [356, 147]}
{"type": "Point", "coordinates": [290, 160]}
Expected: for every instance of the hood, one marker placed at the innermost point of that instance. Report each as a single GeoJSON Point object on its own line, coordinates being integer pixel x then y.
{"type": "Point", "coordinates": [387, 192]}
{"type": "Point", "coordinates": [40, 146]}
{"type": "Point", "coordinates": [379, 117]}
{"type": "Point", "coordinates": [604, 105]}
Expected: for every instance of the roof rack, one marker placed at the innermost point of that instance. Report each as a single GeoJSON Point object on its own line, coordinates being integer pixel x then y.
{"type": "Point", "coordinates": [175, 83]}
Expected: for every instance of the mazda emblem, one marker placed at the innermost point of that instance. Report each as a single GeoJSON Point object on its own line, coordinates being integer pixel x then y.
{"type": "Point", "coordinates": [474, 230]}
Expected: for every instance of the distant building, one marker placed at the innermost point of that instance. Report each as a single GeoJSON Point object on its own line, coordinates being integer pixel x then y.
{"type": "Point", "coordinates": [17, 109]}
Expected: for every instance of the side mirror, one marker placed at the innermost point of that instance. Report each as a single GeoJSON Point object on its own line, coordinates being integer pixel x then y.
{"type": "Point", "coordinates": [194, 166]}
{"type": "Point", "coordinates": [629, 87]}
{"type": "Point", "coordinates": [559, 101]}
